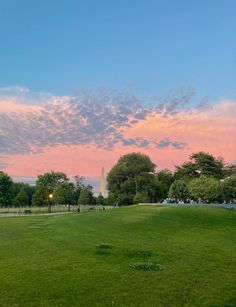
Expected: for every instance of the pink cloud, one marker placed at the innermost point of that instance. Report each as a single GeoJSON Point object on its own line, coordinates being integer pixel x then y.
{"type": "Point", "coordinates": [212, 130]}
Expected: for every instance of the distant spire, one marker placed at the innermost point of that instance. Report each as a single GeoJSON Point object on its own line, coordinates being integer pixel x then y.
{"type": "Point", "coordinates": [102, 183]}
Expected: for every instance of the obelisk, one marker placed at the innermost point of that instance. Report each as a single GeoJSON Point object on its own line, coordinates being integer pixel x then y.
{"type": "Point", "coordinates": [102, 183]}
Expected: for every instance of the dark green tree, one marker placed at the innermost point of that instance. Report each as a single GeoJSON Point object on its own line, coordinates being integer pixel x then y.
{"type": "Point", "coordinates": [40, 197]}
{"type": "Point", "coordinates": [101, 200]}
{"type": "Point", "coordinates": [130, 176]}
{"type": "Point", "coordinates": [63, 194]}
{"type": "Point", "coordinates": [79, 186]}
{"type": "Point", "coordinates": [228, 187]}
{"type": "Point", "coordinates": [86, 197]}
{"type": "Point", "coordinates": [6, 190]}
{"type": "Point", "coordinates": [47, 183]}
{"type": "Point", "coordinates": [141, 198]}
{"type": "Point", "coordinates": [179, 190]}
{"type": "Point", "coordinates": [201, 163]}
{"type": "Point", "coordinates": [22, 198]}
{"type": "Point", "coordinates": [162, 184]}
{"type": "Point", "coordinates": [29, 189]}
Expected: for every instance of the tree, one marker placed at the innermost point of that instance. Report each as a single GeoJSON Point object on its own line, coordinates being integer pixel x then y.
{"type": "Point", "coordinates": [86, 197]}
{"type": "Point", "coordinates": [201, 163]}
{"type": "Point", "coordinates": [29, 189]}
{"type": "Point", "coordinates": [6, 189]}
{"type": "Point", "coordinates": [79, 185]}
{"type": "Point", "coordinates": [229, 188]}
{"type": "Point", "coordinates": [64, 194]}
{"type": "Point", "coordinates": [141, 198]}
{"type": "Point", "coordinates": [22, 198]}
{"type": "Point", "coordinates": [229, 170]}
{"type": "Point", "coordinates": [40, 197]}
{"type": "Point", "coordinates": [47, 182]}
{"type": "Point", "coordinates": [179, 190]}
{"type": "Point", "coordinates": [162, 183]}
{"type": "Point", "coordinates": [186, 171]}
{"type": "Point", "coordinates": [101, 200]}
{"type": "Point", "coordinates": [130, 176]}
{"type": "Point", "coordinates": [204, 188]}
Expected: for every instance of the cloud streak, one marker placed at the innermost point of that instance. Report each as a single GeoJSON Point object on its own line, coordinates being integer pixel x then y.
{"type": "Point", "coordinates": [81, 133]}
{"type": "Point", "coordinates": [30, 122]}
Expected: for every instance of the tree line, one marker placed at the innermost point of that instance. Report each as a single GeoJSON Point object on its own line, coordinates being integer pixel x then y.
{"type": "Point", "coordinates": [52, 188]}
{"type": "Point", "coordinates": [133, 179]}
{"type": "Point", "coordinates": [203, 178]}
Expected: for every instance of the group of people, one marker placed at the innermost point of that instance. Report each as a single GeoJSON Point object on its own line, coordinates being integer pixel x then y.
{"type": "Point", "coordinates": [177, 201]}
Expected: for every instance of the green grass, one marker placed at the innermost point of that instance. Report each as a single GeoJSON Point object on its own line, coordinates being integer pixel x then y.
{"type": "Point", "coordinates": [132, 256]}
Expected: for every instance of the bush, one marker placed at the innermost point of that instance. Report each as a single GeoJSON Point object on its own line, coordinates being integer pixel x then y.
{"type": "Point", "coordinates": [141, 198]}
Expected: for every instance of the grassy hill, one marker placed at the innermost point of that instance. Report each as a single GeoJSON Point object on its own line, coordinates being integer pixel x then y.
{"type": "Point", "coordinates": [131, 256]}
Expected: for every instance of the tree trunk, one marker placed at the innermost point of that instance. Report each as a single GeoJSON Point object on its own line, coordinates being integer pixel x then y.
{"type": "Point", "coordinates": [136, 184]}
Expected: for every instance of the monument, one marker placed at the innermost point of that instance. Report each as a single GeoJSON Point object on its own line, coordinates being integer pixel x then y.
{"type": "Point", "coordinates": [102, 183]}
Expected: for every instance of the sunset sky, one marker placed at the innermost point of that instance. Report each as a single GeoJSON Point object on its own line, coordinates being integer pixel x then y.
{"type": "Point", "coordinates": [83, 82]}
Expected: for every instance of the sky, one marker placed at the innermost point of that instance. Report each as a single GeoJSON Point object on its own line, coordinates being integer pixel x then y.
{"type": "Point", "coordinates": [83, 82]}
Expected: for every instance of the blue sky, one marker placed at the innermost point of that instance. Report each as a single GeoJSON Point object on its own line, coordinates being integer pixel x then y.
{"type": "Point", "coordinates": [61, 46]}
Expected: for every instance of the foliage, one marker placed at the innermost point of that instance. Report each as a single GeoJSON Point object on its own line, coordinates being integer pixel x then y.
{"type": "Point", "coordinates": [101, 200]}
{"type": "Point", "coordinates": [29, 189]}
{"type": "Point", "coordinates": [229, 188]}
{"type": "Point", "coordinates": [22, 198]}
{"type": "Point", "coordinates": [179, 190]}
{"type": "Point", "coordinates": [86, 197]}
{"type": "Point", "coordinates": [111, 199]}
{"type": "Point", "coordinates": [229, 170]}
{"type": "Point", "coordinates": [50, 180]}
{"type": "Point", "coordinates": [40, 197]}
{"type": "Point", "coordinates": [79, 185]}
{"type": "Point", "coordinates": [204, 188]}
{"type": "Point", "coordinates": [201, 163]}
{"type": "Point", "coordinates": [46, 184]}
{"type": "Point", "coordinates": [6, 190]}
{"type": "Point", "coordinates": [130, 176]}
{"type": "Point", "coordinates": [64, 193]}
{"type": "Point", "coordinates": [141, 198]}
{"type": "Point", "coordinates": [161, 185]}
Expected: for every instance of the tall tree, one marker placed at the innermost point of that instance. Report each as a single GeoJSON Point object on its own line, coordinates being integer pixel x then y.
{"type": "Point", "coordinates": [48, 182]}
{"type": "Point", "coordinates": [164, 180]}
{"type": "Point", "coordinates": [201, 163]}
{"type": "Point", "coordinates": [86, 197]}
{"type": "Point", "coordinates": [40, 197]}
{"type": "Point", "coordinates": [64, 194]}
{"type": "Point", "coordinates": [129, 176]}
{"type": "Point", "coordinates": [79, 186]}
{"type": "Point", "coordinates": [6, 190]}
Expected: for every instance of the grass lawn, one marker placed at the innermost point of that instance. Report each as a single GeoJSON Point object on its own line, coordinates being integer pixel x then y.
{"type": "Point", "coordinates": [93, 259]}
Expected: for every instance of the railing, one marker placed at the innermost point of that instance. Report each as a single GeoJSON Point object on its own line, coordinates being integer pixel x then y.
{"type": "Point", "coordinates": [55, 209]}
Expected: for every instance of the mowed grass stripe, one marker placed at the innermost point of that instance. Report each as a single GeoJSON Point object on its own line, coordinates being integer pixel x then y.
{"type": "Point", "coordinates": [90, 259]}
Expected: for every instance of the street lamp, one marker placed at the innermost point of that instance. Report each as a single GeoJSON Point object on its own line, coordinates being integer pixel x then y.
{"type": "Point", "coordinates": [50, 203]}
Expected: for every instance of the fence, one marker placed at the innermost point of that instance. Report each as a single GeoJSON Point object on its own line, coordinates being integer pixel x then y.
{"type": "Point", "coordinates": [56, 209]}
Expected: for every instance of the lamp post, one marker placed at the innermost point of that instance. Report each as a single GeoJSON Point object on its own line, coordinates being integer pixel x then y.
{"type": "Point", "coordinates": [50, 202]}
